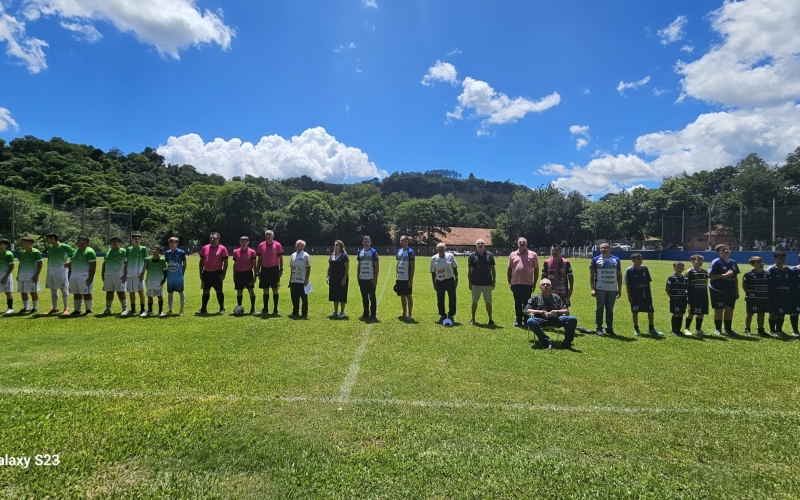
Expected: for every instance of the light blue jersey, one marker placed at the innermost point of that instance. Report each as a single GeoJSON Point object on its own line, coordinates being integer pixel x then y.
{"type": "Point", "coordinates": [175, 260]}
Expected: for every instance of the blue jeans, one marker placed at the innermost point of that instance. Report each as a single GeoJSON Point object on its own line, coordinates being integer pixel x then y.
{"type": "Point", "coordinates": [569, 323]}
{"type": "Point", "coordinates": [605, 300]}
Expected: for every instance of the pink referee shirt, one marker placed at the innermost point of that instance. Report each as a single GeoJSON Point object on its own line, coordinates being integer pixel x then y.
{"type": "Point", "coordinates": [522, 267]}
{"type": "Point", "coordinates": [243, 262]}
{"type": "Point", "coordinates": [212, 257]}
{"type": "Point", "coordinates": [269, 255]}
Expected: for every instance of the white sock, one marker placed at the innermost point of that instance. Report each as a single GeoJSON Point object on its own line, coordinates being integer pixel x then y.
{"type": "Point", "coordinates": [54, 297]}
{"type": "Point", "coordinates": [88, 304]}
{"type": "Point", "coordinates": [78, 300]}
{"type": "Point", "coordinates": [36, 304]}
{"type": "Point", "coordinates": [124, 303]}
{"type": "Point", "coordinates": [24, 303]}
{"type": "Point", "coordinates": [65, 297]}
{"type": "Point", "coordinates": [183, 300]}
{"type": "Point", "coordinates": [170, 300]}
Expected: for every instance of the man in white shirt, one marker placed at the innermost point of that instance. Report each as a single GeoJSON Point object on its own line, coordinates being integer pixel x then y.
{"type": "Point", "coordinates": [444, 272]}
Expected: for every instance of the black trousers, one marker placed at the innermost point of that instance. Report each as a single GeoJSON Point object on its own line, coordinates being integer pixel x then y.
{"type": "Point", "coordinates": [298, 294]}
{"type": "Point", "coordinates": [449, 287]}
{"type": "Point", "coordinates": [368, 299]}
{"type": "Point", "coordinates": [521, 295]}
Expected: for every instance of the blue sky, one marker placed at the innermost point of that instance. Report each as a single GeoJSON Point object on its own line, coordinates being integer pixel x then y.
{"type": "Point", "coordinates": [595, 96]}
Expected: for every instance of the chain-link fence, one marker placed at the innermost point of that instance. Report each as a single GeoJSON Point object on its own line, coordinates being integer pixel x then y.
{"type": "Point", "coordinates": [744, 229]}
{"type": "Point", "coordinates": [21, 216]}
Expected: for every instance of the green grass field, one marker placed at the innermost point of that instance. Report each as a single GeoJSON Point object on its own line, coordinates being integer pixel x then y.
{"type": "Point", "coordinates": [247, 407]}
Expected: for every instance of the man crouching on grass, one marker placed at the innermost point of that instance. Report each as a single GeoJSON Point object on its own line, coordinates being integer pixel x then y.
{"type": "Point", "coordinates": [547, 309]}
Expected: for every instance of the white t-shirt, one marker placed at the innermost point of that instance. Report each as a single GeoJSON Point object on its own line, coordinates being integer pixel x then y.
{"type": "Point", "coordinates": [366, 263]}
{"type": "Point", "coordinates": [299, 262]}
{"type": "Point", "coordinates": [404, 259]}
{"type": "Point", "coordinates": [444, 266]}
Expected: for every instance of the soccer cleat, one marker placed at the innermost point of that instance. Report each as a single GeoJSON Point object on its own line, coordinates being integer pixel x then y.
{"type": "Point", "coordinates": [701, 332]}
{"type": "Point", "coordinates": [655, 332]}
{"type": "Point", "coordinates": [222, 311]}
{"type": "Point", "coordinates": [763, 333]}
{"type": "Point", "coordinates": [599, 331]}
{"type": "Point", "coordinates": [610, 331]}
{"type": "Point", "coordinates": [549, 345]}
{"type": "Point", "coordinates": [88, 312]}
{"type": "Point", "coordinates": [333, 315]}
{"type": "Point", "coordinates": [34, 311]}
{"type": "Point", "coordinates": [106, 312]}
{"type": "Point", "coordinates": [748, 332]}
{"type": "Point", "coordinates": [730, 332]}
{"type": "Point", "coordinates": [144, 314]}
{"type": "Point", "coordinates": [66, 312]}
{"type": "Point", "coordinates": [490, 323]}
{"type": "Point", "coordinates": [124, 312]}
{"type": "Point", "coordinates": [687, 332]}
{"type": "Point", "coordinates": [171, 312]}
{"type": "Point", "coordinates": [442, 318]}
{"type": "Point", "coordinates": [637, 332]}
{"type": "Point", "coordinates": [51, 312]}
{"type": "Point", "coordinates": [516, 323]}
{"type": "Point", "coordinates": [674, 333]}
{"type": "Point", "coordinates": [24, 311]}
{"type": "Point", "coordinates": [795, 334]}
{"type": "Point", "coordinates": [74, 313]}
{"type": "Point", "coordinates": [162, 314]}
{"type": "Point", "coordinates": [472, 322]}
{"type": "Point", "coordinates": [201, 312]}
{"type": "Point", "coordinates": [717, 332]}
{"type": "Point", "coordinates": [9, 311]}
{"type": "Point", "coordinates": [342, 315]}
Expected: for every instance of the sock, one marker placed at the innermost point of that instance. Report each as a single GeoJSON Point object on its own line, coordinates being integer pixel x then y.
{"type": "Point", "coordinates": [221, 300]}
{"type": "Point", "coordinates": [54, 298]}
{"type": "Point", "coordinates": [676, 324]}
{"type": "Point", "coordinates": [771, 324]}
{"type": "Point", "coordinates": [10, 303]}
{"type": "Point", "coordinates": [149, 307]}
{"type": "Point", "coordinates": [275, 302]}
{"type": "Point", "coordinates": [688, 322]}
{"type": "Point", "coordinates": [699, 323]}
{"type": "Point", "coordinates": [36, 304]}
{"type": "Point", "coordinates": [728, 325]}
{"type": "Point", "coordinates": [141, 305]}
{"type": "Point", "coordinates": [205, 301]}
{"type": "Point", "coordinates": [24, 303]}
{"type": "Point", "coordinates": [65, 297]}
{"type": "Point", "coordinates": [252, 302]}
{"type": "Point", "coordinates": [109, 303]}
{"type": "Point", "coordinates": [238, 300]}
{"type": "Point", "coordinates": [779, 324]}
{"type": "Point", "coordinates": [78, 301]}
{"type": "Point", "coordinates": [124, 303]}
{"type": "Point", "coordinates": [718, 324]}
{"type": "Point", "coordinates": [88, 305]}
{"type": "Point", "coordinates": [793, 320]}
{"type": "Point", "coordinates": [170, 301]}
{"type": "Point", "coordinates": [183, 300]}
{"type": "Point", "coordinates": [266, 302]}
{"type": "Point", "coordinates": [651, 326]}
{"type": "Point", "coordinates": [160, 306]}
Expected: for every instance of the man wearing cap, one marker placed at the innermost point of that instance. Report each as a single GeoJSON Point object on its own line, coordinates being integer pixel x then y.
{"type": "Point", "coordinates": [547, 309]}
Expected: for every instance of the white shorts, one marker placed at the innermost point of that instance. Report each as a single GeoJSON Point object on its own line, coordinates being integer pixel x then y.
{"type": "Point", "coordinates": [113, 284]}
{"type": "Point", "coordinates": [28, 286]}
{"type": "Point", "coordinates": [8, 287]}
{"type": "Point", "coordinates": [154, 292]}
{"type": "Point", "coordinates": [78, 286]}
{"type": "Point", "coordinates": [57, 280]}
{"type": "Point", "coordinates": [134, 284]}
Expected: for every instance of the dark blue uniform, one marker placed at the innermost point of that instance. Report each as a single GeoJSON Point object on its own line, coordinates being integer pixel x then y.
{"type": "Point", "coordinates": [795, 273]}
{"type": "Point", "coordinates": [723, 290]}
{"type": "Point", "coordinates": [756, 295]}
{"type": "Point", "coordinates": [698, 291]}
{"type": "Point", "coordinates": [639, 281]}
{"type": "Point", "coordinates": [780, 290]}
{"type": "Point", "coordinates": [678, 293]}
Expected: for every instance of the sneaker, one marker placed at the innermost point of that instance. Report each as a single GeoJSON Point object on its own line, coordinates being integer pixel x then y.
{"type": "Point", "coordinates": [9, 311]}
{"type": "Point", "coordinates": [144, 314]}
{"type": "Point", "coordinates": [775, 334]}
{"type": "Point", "coordinates": [363, 317]}
{"type": "Point", "coordinates": [263, 312]}
{"type": "Point", "coordinates": [472, 322]}
{"type": "Point", "coordinates": [730, 332]}
{"type": "Point", "coordinates": [51, 312]}
{"type": "Point", "coordinates": [342, 315]}
{"type": "Point", "coordinates": [599, 331]}
{"type": "Point", "coordinates": [490, 323]}
{"type": "Point", "coordinates": [717, 332]}
{"type": "Point", "coordinates": [171, 312]}
{"type": "Point", "coordinates": [763, 333]}
{"type": "Point", "coordinates": [162, 314]}
{"type": "Point", "coordinates": [567, 346]}
{"type": "Point", "coordinates": [24, 311]}
{"type": "Point", "coordinates": [124, 312]}
{"type": "Point", "coordinates": [687, 332]}
{"type": "Point", "coordinates": [334, 315]}
{"type": "Point", "coordinates": [610, 331]}
{"type": "Point", "coordinates": [674, 333]}
{"type": "Point", "coordinates": [549, 345]}
{"type": "Point", "coordinates": [34, 311]}
{"type": "Point", "coordinates": [201, 312]}
{"type": "Point", "coordinates": [222, 311]}
{"type": "Point", "coordinates": [66, 312]}
{"type": "Point", "coordinates": [88, 312]}
{"type": "Point", "coordinates": [182, 312]}
{"type": "Point", "coordinates": [516, 323]}
{"type": "Point", "coordinates": [795, 334]}
{"type": "Point", "coordinates": [442, 318]}
{"type": "Point", "coordinates": [373, 318]}
{"type": "Point", "coordinates": [653, 331]}
{"type": "Point", "coordinates": [106, 312]}
{"type": "Point", "coordinates": [748, 332]}
{"type": "Point", "coordinates": [637, 332]}
{"type": "Point", "coordinates": [700, 332]}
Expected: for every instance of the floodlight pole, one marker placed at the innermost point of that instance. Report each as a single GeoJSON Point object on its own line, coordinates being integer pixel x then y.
{"type": "Point", "coordinates": [741, 234]}
{"type": "Point", "coordinates": [773, 224]}
{"type": "Point", "coordinates": [710, 248]}
{"type": "Point", "coordinates": [683, 225]}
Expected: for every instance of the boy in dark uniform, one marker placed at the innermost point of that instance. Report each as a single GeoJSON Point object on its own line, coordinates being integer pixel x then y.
{"type": "Point", "coordinates": [756, 295]}
{"type": "Point", "coordinates": [698, 294]}
{"type": "Point", "coordinates": [677, 286]}
{"type": "Point", "coordinates": [779, 280]}
{"type": "Point", "coordinates": [795, 274]}
{"type": "Point", "coordinates": [637, 281]}
{"type": "Point", "coordinates": [724, 292]}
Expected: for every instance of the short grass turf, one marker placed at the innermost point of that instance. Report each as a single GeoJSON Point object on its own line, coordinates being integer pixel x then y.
{"type": "Point", "coordinates": [222, 406]}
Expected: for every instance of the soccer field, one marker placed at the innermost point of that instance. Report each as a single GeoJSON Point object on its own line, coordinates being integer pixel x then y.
{"type": "Point", "coordinates": [252, 407]}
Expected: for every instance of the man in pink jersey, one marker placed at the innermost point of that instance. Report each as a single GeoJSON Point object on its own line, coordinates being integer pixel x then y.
{"type": "Point", "coordinates": [270, 269]}
{"type": "Point", "coordinates": [213, 267]}
{"type": "Point", "coordinates": [244, 272]}
{"type": "Point", "coordinates": [559, 271]}
{"type": "Point", "coordinates": [523, 272]}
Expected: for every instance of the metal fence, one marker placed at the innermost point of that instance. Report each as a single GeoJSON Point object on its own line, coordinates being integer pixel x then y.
{"type": "Point", "coordinates": [21, 216]}
{"type": "Point", "coordinates": [744, 230]}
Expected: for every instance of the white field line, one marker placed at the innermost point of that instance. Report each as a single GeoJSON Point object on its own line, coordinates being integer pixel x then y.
{"type": "Point", "coordinates": [355, 364]}
{"type": "Point", "coordinates": [518, 407]}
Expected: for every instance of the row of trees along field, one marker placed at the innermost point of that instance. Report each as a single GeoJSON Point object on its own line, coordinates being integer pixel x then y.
{"type": "Point", "coordinates": [177, 199]}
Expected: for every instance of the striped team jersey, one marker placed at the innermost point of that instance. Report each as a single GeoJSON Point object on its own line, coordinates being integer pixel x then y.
{"type": "Point", "coordinates": [756, 286]}
{"type": "Point", "coordinates": [780, 279]}
{"type": "Point", "coordinates": [698, 281]}
{"type": "Point", "coordinates": [678, 286]}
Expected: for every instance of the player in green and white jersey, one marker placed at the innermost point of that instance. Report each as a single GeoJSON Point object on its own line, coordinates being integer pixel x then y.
{"type": "Point", "coordinates": [136, 254]}
{"type": "Point", "coordinates": [114, 274]}
{"type": "Point", "coordinates": [57, 271]}
{"type": "Point", "coordinates": [156, 270]}
{"type": "Point", "coordinates": [6, 278]}
{"type": "Point", "coordinates": [81, 275]}
{"type": "Point", "coordinates": [30, 266]}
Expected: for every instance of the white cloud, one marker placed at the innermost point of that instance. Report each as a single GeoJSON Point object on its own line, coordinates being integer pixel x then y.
{"type": "Point", "coordinates": [370, 3]}
{"type": "Point", "coordinates": [674, 31]}
{"type": "Point", "coordinates": [454, 52]}
{"type": "Point", "coordinates": [581, 143]}
{"type": "Point", "coordinates": [587, 91]}
{"type": "Point", "coordinates": [688, 49]}
{"type": "Point", "coordinates": [583, 130]}
{"type": "Point", "coordinates": [338, 48]}
{"type": "Point", "coordinates": [168, 25]}
{"type": "Point", "coordinates": [758, 61]}
{"type": "Point", "coordinates": [632, 85]}
{"type": "Point", "coordinates": [358, 70]}
{"type": "Point", "coordinates": [352, 45]}
{"type": "Point", "coordinates": [634, 188]}
{"type": "Point", "coordinates": [28, 50]}
{"type": "Point", "coordinates": [607, 173]}
{"type": "Point", "coordinates": [658, 91]}
{"type": "Point", "coordinates": [347, 109]}
{"type": "Point", "coordinates": [6, 121]}
{"type": "Point", "coordinates": [314, 153]}
{"type": "Point", "coordinates": [83, 31]}
{"type": "Point", "coordinates": [497, 108]}
{"type": "Point", "coordinates": [441, 71]}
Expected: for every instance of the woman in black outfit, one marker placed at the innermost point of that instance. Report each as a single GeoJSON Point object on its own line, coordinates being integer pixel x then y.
{"type": "Point", "coordinates": [337, 279]}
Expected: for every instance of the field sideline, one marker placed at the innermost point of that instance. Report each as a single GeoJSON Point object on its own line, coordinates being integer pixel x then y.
{"type": "Point", "coordinates": [249, 407]}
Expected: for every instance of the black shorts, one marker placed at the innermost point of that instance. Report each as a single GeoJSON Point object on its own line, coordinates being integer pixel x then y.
{"type": "Point", "coordinates": [721, 300]}
{"type": "Point", "coordinates": [243, 279]}
{"type": "Point", "coordinates": [269, 277]}
{"type": "Point", "coordinates": [642, 304]}
{"type": "Point", "coordinates": [756, 305]}
{"type": "Point", "coordinates": [677, 305]}
{"type": "Point", "coordinates": [401, 288]}
{"type": "Point", "coordinates": [211, 279]}
{"type": "Point", "coordinates": [698, 303]}
{"type": "Point", "coordinates": [780, 303]}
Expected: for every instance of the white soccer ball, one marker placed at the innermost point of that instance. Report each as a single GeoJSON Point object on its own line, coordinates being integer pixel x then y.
{"type": "Point", "coordinates": [238, 311]}
{"type": "Point", "coordinates": [447, 322]}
